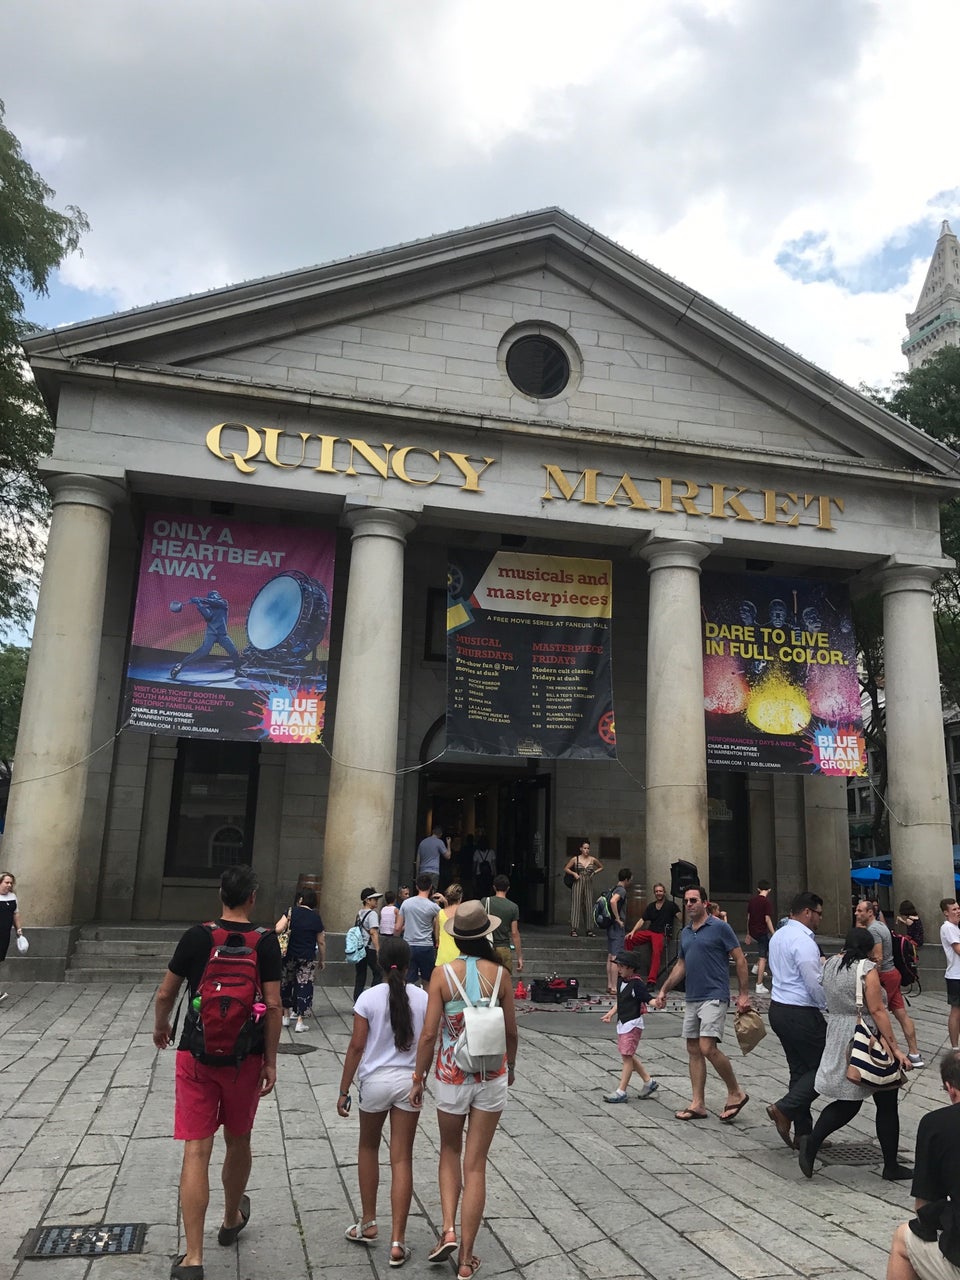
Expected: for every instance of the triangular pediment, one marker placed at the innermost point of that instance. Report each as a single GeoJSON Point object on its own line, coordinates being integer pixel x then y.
{"type": "Point", "coordinates": [426, 326]}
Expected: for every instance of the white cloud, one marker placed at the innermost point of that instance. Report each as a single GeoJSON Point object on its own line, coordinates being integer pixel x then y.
{"type": "Point", "coordinates": [216, 142]}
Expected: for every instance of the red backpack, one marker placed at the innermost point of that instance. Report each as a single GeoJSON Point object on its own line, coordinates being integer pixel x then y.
{"type": "Point", "coordinates": [224, 1030]}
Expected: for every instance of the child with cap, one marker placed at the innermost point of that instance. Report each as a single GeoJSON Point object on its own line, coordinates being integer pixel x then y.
{"type": "Point", "coordinates": [632, 998]}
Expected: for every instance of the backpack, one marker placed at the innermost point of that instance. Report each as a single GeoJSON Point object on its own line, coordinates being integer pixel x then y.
{"type": "Point", "coordinates": [224, 1030]}
{"type": "Point", "coordinates": [356, 941]}
{"type": "Point", "coordinates": [906, 959]}
{"type": "Point", "coordinates": [602, 912]}
{"type": "Point", "coordinates": [481, 1045]}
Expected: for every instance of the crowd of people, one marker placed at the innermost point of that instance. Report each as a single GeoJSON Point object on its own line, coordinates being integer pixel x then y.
{"type": "Point", "coordinates": [435, 961]}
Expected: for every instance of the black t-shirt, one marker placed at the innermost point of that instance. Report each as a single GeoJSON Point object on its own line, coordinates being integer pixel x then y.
{"type": "Point", "coordinates": [936, 1178]}
{"type": "Point", "coordinates": [193, 952]}
{"type": "Point", "coordinates": [659, 917]}
{"type": "Point", "coordinates": [305, 924]}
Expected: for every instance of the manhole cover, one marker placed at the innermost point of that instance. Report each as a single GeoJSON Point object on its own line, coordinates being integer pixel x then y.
{"type": "Point", "coordinates": [100, 1240]}
{"type": "Point", "coordinates": [850, 1153]}
{"type": "Point", "coordinates": [298, 1048]}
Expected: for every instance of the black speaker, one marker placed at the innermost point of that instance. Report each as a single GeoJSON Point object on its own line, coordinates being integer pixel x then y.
{"type": "Point", "coordinates": [682, 875]}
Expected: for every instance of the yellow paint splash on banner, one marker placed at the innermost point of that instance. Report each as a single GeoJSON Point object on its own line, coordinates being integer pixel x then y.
{"type": "Point", "coordinates": [776, 705]}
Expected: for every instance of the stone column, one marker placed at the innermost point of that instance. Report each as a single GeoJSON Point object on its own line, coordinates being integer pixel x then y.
{"type": "Point", "coordinates": [676, 751]}
{"type": "Point", "coordinates": [917, 794]}
{"type": "Point", "coordinates": [46, 802]}
{"type": "Point", "coordinates": [827, 839]}
{"type": "Point", "coordinates": [359, 830]}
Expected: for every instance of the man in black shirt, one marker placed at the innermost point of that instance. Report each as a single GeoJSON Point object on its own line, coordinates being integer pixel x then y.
{"type": "Point", "coordinates": [928, 1247]}
{"type": "Point", "coordinates": [208, 1096]}
{"type": "Point", "coordinates": [653, 927]}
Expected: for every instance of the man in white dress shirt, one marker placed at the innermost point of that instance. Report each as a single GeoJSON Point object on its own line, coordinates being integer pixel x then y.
{"type": "Point", "coordinates": [796, 1013]}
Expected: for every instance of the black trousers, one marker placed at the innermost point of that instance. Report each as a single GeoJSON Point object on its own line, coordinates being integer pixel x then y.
{"type": "Point", "coordinates": [370, 962]}
{"type": "Point", "coordinates": [802, 1031]}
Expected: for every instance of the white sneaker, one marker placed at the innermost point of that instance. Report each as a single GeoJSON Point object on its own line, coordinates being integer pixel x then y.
{"type": "Point", "coordinates": [301, 1025]}
{"type": "Point", "coordinates": [761, 989]}
{"type": "Point", "coordinates": [4, 994]}
{"type": "Point", "coordinates": [916, 1059]}
{"type": "Point", "coordinates": [285, 1020]}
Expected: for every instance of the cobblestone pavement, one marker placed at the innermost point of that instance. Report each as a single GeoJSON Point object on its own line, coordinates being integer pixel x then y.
{"type": "Point", "coordinates": [574, 1189]}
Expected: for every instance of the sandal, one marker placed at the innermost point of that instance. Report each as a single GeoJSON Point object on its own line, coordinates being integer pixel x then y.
{"type": "Point", "coordinates": [573, 933]}
{"type": "Point", "coordinates": [467, 1269]}
{"type": "Point", "coordinates": [355, 1232]}
{"type": "Point", "coordinates": [444, 1246]}
{"type": "Point", "coordinates": [404, 1253]}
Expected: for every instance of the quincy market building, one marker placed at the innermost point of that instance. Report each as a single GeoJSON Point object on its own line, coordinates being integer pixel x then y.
{"type": "Point", "coordinates": [384, 402]}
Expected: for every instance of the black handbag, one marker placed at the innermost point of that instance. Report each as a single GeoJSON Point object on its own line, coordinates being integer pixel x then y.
{"type": "Point", "coordinates": [569, 879]}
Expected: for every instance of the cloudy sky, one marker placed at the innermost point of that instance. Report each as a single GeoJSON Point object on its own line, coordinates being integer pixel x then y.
{"type": "Point", "coordinates": [791, 159]}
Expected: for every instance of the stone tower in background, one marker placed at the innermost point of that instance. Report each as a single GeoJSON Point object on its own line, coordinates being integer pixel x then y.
{"type": "Point", "coordinates": [936, 321]}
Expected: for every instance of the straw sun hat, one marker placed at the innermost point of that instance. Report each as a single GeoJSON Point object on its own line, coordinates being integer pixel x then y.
{"type": "Point", "coordinates": [471, 921]}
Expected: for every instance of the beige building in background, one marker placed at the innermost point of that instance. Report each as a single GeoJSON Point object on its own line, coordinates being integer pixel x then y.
{"type": "Point", "coordinates": [374, 397]}
{"type": "Point", "coordinates": [936, 321]}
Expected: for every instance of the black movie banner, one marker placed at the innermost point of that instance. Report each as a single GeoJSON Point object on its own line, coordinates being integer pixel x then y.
{"type": "Point", "coordinates": [780, 680]}
{"type": "Point", "coordinates": [528, 655]}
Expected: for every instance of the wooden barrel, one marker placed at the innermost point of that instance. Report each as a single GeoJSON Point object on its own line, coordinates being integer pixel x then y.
{"type": "Point", "coordinates": [305, 881]}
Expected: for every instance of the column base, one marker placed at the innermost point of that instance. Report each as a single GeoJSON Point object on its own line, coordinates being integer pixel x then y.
{"type": "Point", "coordinates": [47, 959]}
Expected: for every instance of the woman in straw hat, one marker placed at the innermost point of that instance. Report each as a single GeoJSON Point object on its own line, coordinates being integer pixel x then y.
{"type": "Point", "coordinates": [461, 1096]}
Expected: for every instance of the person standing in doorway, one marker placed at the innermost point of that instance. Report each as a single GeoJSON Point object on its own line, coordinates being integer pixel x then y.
{"type": "Point", "coordinates": [797, 1013]}
{"type": "Point", "coordinates": [760, 928]}
{"type": "Point", "coordinates": [484, 866]}
{"type": "Point", "coordinates": [583, 866]}
{"type": "Point", "coordinates": [429, 853]}
{"type": "Point", "coordinates": [706, 947]}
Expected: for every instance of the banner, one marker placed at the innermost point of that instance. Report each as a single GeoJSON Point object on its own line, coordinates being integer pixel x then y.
{"type": "Point", "coordinates": [780, 681]}
{"type": "Point", "coordinates": [528, 656]}
{"type": "Point", "coordinates": [230, 630]}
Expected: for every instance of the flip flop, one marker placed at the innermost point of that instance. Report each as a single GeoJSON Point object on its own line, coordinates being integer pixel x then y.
{"type": "Point", "coordinates": [732, 1110]}
{"type": "Point", "coordinates": [688, 1114]}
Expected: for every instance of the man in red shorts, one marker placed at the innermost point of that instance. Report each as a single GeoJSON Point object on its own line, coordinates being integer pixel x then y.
{"type": "Point", "coordinates": [210, 1096]}
{"type": "Point", "coordinates": [868, 917]}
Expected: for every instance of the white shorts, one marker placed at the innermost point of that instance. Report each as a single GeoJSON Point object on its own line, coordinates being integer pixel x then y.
{"type": "Point", "coordinates": [927, 1260]}
{"type": "Point", "coordinates": [459, 1099]}
{"type": "Point", "coordinates": [704, 1018]}
{"type": "Point", "coordinates": [387, 1087]}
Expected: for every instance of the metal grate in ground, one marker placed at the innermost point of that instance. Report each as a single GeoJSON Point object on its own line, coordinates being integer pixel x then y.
{"type": "Point", "coordinates": [100, 1240]}
{"type": "Point", "coordinates": [851, 1153]}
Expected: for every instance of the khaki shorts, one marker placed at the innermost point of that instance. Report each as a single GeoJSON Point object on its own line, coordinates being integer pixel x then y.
{"type": "Point", "coordinates": [705, 1018]}
{"type": "Point", "coordinates": [927, 1260]}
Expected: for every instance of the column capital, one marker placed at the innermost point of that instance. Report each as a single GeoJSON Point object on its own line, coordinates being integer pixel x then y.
{"type": "Point", "coordinates": [679, 554]}
{"type": "Point", "coordinates": [367, 518]}
{"type": "Point", "coordinates": [895, 577]}
{"type": "Point", "coordinates": [77, 489]}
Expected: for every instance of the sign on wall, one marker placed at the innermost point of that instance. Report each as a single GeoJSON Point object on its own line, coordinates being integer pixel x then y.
{"type": "Point", "coordinates": [528, 656]}
{"type": "Point", "coordinates": [780, 676]}
{"type": "Point", "coordinates": [230, 630]}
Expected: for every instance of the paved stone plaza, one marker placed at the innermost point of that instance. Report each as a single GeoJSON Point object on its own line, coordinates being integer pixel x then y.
{"type": "Point", "coordinates": [575, 1187]}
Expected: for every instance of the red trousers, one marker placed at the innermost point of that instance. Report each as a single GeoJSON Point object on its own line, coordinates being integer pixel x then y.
{"type": "Point", "coordinates": [656, 941]}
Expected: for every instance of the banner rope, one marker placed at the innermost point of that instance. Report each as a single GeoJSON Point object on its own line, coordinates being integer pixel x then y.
{"type": "Point", "coordinates": [42, 777]}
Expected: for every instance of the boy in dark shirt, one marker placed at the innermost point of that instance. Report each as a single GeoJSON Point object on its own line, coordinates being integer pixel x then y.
{"type": "Point", "coordinates": [632, 997]}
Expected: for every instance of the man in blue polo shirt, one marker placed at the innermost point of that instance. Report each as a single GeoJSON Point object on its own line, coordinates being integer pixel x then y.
{"type": "Point", "coordinates": [706, 947]}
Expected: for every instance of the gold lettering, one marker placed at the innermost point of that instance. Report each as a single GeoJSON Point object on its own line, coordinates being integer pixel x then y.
{"type": "Point", "coordinates": [567, 490]}
{"type": "Point", "coordinates": [326, 463]}
{"type": "Point", "coordinates": [626, 484]}
{"type": "Point", "coordinates": [720, 503]}
{"type": "Point", "coordinates": [771, 507]}
{"type": "Point", "coordinates": [271, 442]}
{"type": "Point", "coordinates": [823, 503]}
{"type": "Point", "coordinates": [399, 462]}
{"type": "Point", "coordinates": [686, 500]}
{"type": "Point", "coordinates": [471, 474]}
{"type": "Point", "coordinates": [380, 465]}
{"type": "Point", "coordinates": [239, 460]}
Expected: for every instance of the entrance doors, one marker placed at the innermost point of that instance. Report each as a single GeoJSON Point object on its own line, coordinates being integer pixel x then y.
{"type": "Point", "coordinates": [510, 808]}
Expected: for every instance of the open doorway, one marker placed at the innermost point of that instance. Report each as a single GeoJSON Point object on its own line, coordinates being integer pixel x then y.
{"type": "Point", "coordinates": [507, 808]}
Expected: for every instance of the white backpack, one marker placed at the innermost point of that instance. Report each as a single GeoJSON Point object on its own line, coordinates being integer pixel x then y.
{"type": "Point", "coordinates": [481, 1045]}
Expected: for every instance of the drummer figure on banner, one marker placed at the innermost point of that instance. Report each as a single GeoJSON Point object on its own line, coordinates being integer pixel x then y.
{"type": "Point", "coordinates": [213, 609]}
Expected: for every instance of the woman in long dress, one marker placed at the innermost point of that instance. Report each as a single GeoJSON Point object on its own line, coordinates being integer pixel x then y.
{"type": "Point", "coordinates": [839, 979]}
{"type": "Point", "coordinates": [583, 866]}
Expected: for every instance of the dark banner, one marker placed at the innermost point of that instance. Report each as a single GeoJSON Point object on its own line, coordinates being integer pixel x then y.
{"type": "Point", "coordinates": [230, 630]}
{"type": "Point", "coordinates": [528, 656]}
{"type": "Point", "coordinates": [780, 681]}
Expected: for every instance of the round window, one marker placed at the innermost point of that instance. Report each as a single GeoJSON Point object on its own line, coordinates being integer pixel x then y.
{"type": "Point", "coordinates": [538, 366]}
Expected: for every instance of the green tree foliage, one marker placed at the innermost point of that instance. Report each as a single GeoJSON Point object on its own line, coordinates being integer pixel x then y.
{"type": "Point", "coordinates": [13, 672]}
{"type": "Point", "coordinates": [34, 240]}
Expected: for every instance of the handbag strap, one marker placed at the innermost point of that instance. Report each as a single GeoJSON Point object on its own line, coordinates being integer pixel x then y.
{"type": "Point", "coordinates": [859, 996]}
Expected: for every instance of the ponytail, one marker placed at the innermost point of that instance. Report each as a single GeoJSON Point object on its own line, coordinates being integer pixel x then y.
{"type": "Point", "coordinates": [394, 960]}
